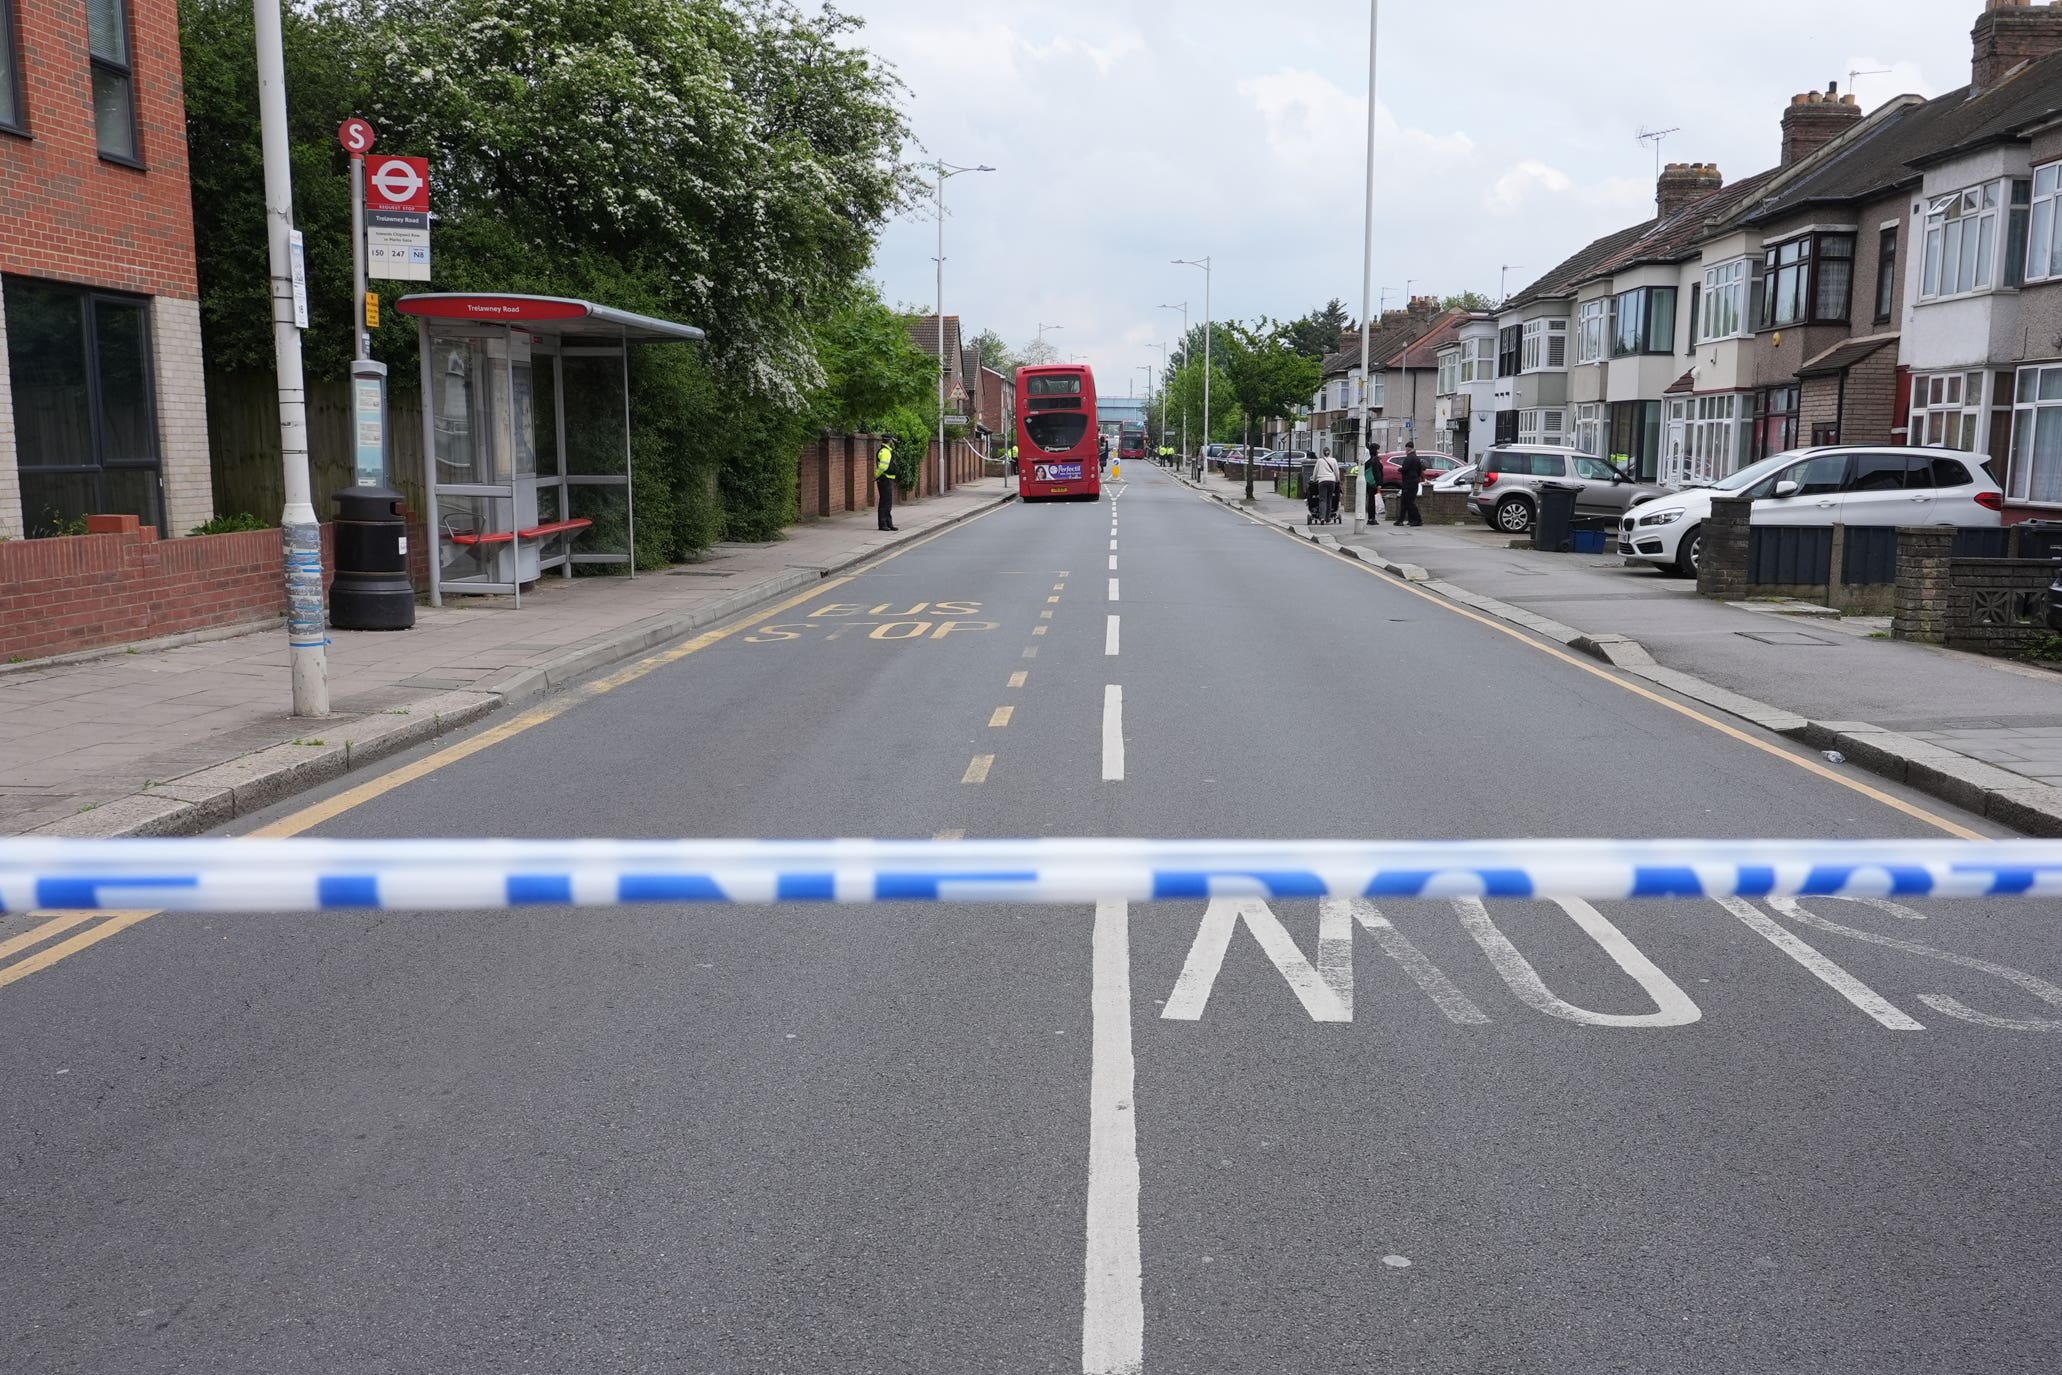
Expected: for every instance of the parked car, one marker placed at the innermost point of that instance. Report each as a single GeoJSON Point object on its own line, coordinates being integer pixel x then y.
{"type": "Point", "coordinates": [1214, 455]}
{"type": "Point", "coordinates": [1827, 485]}
{"type": "Point", "coordinates": [1455, 479]}
{"type": "Point", "coordinates": [1435, 466]}
{"type": "Point", "coordinates": [1505, 492]}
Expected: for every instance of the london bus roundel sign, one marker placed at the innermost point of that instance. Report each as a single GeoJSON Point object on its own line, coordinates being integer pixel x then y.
{"type": "Point", "coordinates": [356, 135]}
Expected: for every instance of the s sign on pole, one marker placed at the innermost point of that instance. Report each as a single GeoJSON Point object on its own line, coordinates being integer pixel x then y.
{"type": "Point", "coordinates": [357, 136]}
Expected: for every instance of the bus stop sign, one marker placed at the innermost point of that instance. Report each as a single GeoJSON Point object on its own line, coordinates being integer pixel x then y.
{"type": "Point", "coordinates": [397, 184]}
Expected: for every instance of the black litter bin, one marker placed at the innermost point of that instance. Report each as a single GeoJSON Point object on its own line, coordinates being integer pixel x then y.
{"type": "Point", "coordinates": [371, 590]}
{"type": "Point", "coordinates": [1553, 525]}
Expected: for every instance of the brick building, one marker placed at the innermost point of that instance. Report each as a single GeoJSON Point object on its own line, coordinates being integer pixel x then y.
{"type": "Point", "coordinates": [101, 403]}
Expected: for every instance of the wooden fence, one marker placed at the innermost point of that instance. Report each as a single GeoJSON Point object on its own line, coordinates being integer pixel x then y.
{"type": "Point", "coordinates": [243, 439]}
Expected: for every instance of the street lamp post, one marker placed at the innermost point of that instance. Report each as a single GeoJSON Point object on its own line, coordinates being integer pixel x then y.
{"type": "Point", "coordinates": [1184, 309]}
{"type": "Point", "coordinates": [1204, 263]}
{"type": "Point", "coordinates": [1042, 328]}
{"type": "Point", "coordinates": [1367, 282]}
{"type": "Point", "coordinates": [945, 170]}
{"type": "Point", "coordinates": [1163, 391]}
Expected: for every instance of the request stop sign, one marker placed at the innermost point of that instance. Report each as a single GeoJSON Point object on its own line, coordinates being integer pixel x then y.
{"type": "Point", "coordinates": [397, 183]}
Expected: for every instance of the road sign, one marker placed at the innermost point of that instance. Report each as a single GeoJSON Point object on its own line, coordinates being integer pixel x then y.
{"type": "Point", "coordinates": [397, 245]}
{"type": "Point", "coordinates": [356, 135]}
{"type": "Point", "coordinates": [297, 267]}
{"type": "Point", "coordinates": [372, 310]}
{"type": "Point", "coordinates": [397, 184]}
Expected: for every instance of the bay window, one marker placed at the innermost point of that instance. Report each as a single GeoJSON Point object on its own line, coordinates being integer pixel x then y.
{"type": "Point", "coordinates": [1725, 302]}
{"type": "Point", "coordinates": [1589, 333]}
{"type": "Point", "coordinates": [1635, 437]}
{"type": "Point", "coordinates": [1807, 280]}
{"type": "Point", "coordinates": [1947, 409]}
{"type": "Point", "coordinates": [1478, 360]}
{"type": "Point", "coordinates": [2035, 470]}
{"type": "Point", "coordinates": [1545, 346]}
{"type": "Point", "coordinates": [2044, 238]}
{"type": "Point", "coordinates": [1714, 435]}
{"type": "Point", "coordinates": [1449, 372]}
{"type": "Point", "coordinates": [1643, 321]}
{"type": "Point", "coordinates": [1589, 426]}
{"type": "Point", "coordinates": [1963, 252]}
{"type": "Point", "coordinates": [1541, 426]}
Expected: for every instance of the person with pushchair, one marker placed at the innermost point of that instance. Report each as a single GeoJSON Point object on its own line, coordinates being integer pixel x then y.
{"type": "Point", "coordinates": [1324, 488]}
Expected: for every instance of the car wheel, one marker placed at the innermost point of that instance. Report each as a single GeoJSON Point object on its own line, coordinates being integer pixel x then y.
{"type": "Point", "coordinates": [1689, 551]}
{"type": "Point", "coordinates": [1513, 515]}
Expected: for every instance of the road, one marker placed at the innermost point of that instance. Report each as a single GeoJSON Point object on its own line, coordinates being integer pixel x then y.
{"type": "Point", "coordinates": [1178, 1136]}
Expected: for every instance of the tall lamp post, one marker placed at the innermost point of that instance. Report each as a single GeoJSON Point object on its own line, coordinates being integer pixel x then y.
{"type": "Point", "coordinates": [1367, 281]}
{"type": "Point", "coordinates": [945, 171]}
{"type": "Point", "coordinates": [1204, 263]}
{"type": "Point", "coordinates": [1163, 392]}
{"type": "Point", "coordinates": [1042, 328]}
{"type": "Point", "coordinates": [1184, 309]}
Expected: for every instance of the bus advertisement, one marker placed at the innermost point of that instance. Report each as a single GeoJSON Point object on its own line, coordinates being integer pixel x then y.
{"type": "Point", "coordinates": [1057, 434]}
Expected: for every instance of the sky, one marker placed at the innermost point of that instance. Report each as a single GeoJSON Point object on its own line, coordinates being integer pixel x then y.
{"type": "Point", "coordinates": [1127, 133]}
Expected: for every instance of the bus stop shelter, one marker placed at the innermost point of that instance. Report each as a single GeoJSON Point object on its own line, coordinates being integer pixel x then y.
{"type": "Point", "coordinates": [526, 436]}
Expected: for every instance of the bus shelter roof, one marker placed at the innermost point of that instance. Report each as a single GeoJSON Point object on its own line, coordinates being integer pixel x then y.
{"type": "Point", "coordinates": [559, 317]}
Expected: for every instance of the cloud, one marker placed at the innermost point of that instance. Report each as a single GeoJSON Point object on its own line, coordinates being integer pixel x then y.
{"type": "Point", "coordinates": [1508, 193]}
{"type": "Point", "coordinates": [1308, 121]}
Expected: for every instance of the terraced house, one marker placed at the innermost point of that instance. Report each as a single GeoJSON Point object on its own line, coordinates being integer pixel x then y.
{"type": "Point", "coordinates": [1895, 277]}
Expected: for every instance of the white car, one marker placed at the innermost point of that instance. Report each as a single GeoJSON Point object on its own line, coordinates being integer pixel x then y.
{"type": "Point", "coordinates": [1457, 480]}
{"type": "Point", "coordinates": [1846, 485]}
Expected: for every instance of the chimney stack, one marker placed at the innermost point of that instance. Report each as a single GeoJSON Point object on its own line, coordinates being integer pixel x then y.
{"type": "Point", "coordinates": [1424, 305]}
{"type": "Point", "coordinates": [1685, 183]}
{"type": "Point", "coordinates": [2008, 34]}
{"type": "Point", "coordinates": [1813, 120]}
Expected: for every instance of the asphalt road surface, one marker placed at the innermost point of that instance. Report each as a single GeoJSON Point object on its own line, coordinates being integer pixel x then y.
{"type": "Point", "coordinates": [1682, 1136]}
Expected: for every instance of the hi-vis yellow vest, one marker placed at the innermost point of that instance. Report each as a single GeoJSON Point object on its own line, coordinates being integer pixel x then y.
{"type": "Point", "coordinates": [884, 460]}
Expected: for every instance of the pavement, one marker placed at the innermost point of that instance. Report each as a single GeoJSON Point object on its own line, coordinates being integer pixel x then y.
{"type": "Point", "coordinates": [177, 737]}
{"type": "Point", "coordinates": [1173, 1136]}
{"type": "Point", "coordinates": [1984, 733]}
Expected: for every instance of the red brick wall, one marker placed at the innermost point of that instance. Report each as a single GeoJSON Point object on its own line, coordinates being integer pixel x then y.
{"type": "Point", "coordinates": [86, 591]}
{"type": "Point", "coordinates": [67, 213]}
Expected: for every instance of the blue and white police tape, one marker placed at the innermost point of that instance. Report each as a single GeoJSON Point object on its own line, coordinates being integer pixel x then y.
{"type": "Point", "coordinates": [309, 875]}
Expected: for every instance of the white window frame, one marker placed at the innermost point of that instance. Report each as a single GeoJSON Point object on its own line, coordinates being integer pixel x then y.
{"type": "Point", "coordinates": [2032, 412]}
{"type": "Point", "coordinates": [1589, 428]}
{"type": "Point", "coordinates": [1590, 335]}
{"type": "Point", "coordinates": [1544, 346]}
{"type": "Point", "coordinates": [1723, 312]}
{"type": "Point", "coordinates": [2044, 234]}
{"type": "Point", "coordinates": [1715, 432]}
{"type": "Point", "coordinates": [1542, 427]}
{"type": "Point", "coordinates": [1449, 372]}
{"type": "Point", "coordinates": [1947, 410]}
{"type": "Point", "coordinates": [1960, 252]}
{"type": "Point", "coordinates": [1478, 360]}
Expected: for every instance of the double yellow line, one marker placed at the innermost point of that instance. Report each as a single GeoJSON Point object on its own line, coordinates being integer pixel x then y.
{"type": "Point", "coordinates": [102, 924]}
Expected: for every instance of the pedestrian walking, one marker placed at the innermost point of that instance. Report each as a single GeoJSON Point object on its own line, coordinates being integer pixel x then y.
{"type": "Point", "coordinates": [1411, 471]}
{"type": "Point", "coordinates": [884, 484]}
{"type": "Point", "coordinates": [1324, 478]}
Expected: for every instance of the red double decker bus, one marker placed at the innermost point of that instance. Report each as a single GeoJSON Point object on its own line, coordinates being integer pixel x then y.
{"type": "Point", "coordinates": [1056, 433]}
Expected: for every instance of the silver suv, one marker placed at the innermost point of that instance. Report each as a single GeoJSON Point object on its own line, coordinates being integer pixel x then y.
{"type": "Point", "coordinates": [1505, 488]}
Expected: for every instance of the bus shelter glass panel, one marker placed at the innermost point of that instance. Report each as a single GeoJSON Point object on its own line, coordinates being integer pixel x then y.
{"type": "Point", "coordinates": [597, 422]}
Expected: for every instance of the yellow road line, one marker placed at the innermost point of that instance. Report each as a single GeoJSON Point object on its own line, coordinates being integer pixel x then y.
{"type": "Point", "coordinates": [1045, 615]}
{"type": "Point", "coordinates": [1812, 766]}
{"type": "Point", "coordinates": [1040, 629]}
{"type": "Point", "coordinates": [1019, 678]}
{"type": "Point", "coordinates": [330, 808]}
{"type": "Point", "coordinates": [1052, 599]}
{"type": "Point", "coordinates": [977, 772]}
{"type": "Point", "coordinates": [43, 959]}
{"type": "Point", "coordinates": [1001, 717]}
{"type": "Point", "coordinates": [16, 944]}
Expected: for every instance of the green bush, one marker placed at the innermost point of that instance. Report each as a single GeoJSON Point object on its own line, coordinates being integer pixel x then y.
{"type": "Point", "coordinates": [231, 525]}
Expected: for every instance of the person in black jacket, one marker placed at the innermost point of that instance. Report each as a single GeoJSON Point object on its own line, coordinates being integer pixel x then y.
{"type": "Point", "coordinates": [1410, 474]}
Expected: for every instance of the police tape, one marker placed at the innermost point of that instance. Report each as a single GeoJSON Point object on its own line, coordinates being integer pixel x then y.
{"type": "Point", "coordinates": [308, 875]}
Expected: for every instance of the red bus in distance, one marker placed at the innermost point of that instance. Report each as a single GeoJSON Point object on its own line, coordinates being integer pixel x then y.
{"type": "Point", "coordinates": [1056, 434]}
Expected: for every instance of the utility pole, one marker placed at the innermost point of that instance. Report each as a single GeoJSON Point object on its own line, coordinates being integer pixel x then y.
{"type": "Point", "coordinates": [1208, 330]}
{"type": "Point", "coordinates": [1184, 309]}
{"type": "Point", "coordinates": [1503, 281]}
{"type": "Point", "coordinates": [1367, 281]}
{"type": "Point", "coordinates": [945, 169]}
{"type": "Point", "coordinates": [306, 629]}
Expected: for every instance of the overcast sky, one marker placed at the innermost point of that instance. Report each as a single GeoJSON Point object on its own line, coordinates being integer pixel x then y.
{"type": "Point", "coordinates": [1130, 132]}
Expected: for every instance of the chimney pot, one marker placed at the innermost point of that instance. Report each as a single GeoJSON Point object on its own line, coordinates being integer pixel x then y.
{"type": "Point", "coordinates": [1813, 120]}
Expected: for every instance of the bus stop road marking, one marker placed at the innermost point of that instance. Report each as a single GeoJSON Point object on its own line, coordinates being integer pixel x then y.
{"type": "Point", "coordinates": [1019, 678]}
{"type": "Point", "coordinates": [977, 772]}
{"type": "Point", "coordinates": [1000, 717]}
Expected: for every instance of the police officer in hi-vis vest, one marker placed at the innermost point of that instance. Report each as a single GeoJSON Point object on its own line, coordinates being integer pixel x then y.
{"type": "Point", "coordinates": [884, 484]}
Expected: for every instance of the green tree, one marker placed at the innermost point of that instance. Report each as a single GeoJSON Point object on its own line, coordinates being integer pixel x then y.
{"type": "Point", "coordinates": [995, 353]}
{"type": "Point", "coordinates": [1269, 378]}
{"type": "Point", "coordinates": [1317, 333]}
{"type": "Point", "coordinates": [1467, 300]}
{"type": "Point", "coordinates": [725, 162]}
{"type": "Point", "coordinates": [871, 367]}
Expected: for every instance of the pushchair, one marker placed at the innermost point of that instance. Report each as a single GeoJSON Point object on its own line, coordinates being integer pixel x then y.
{"type": "Point", "coordinates": [1321, 503]}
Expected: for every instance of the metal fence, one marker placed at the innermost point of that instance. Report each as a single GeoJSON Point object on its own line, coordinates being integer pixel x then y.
{"type": "Point", "coordinates": [1791, 555]}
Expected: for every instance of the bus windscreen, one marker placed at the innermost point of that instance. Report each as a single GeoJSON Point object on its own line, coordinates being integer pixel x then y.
{"type": "Point", "coordinates": [1056, 433]}
{"type": "Point", "coordinates": [1053, 386]}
